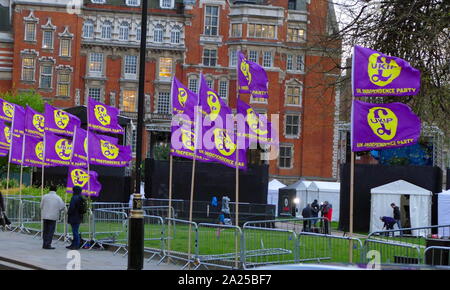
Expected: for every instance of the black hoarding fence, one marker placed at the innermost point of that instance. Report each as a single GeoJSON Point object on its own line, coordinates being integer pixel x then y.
{"type": "Point", "coordinates": [368, 176]}
{"type": "Point", "coordinates": [211, 179]}
{"type": "Point", "coordinates": [204, 212]}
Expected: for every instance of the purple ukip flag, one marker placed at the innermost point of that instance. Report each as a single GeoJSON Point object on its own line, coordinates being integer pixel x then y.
{"type": "Point", "coordinates": [88, 181]}
{"type": "Point", "coordinates": [218, 143]}
{"type": "Point", "coordinates": [103, 118]}
{"type": "Point", "coordinates": [183, 100]}
{"type": "Point", "coordinates": [34, 122]}
{"type": "Point", "coordinates": [104, 152]}
{"type": "Point", "coordinates": [16, 150]}
{"type": "Point", "coordinates": [382, 126]}
{"type": "Point", "coordinates": [5, 136]}
{"type": "Point", "coordinates": [376, 74]}
{"type": "Point", "coordinates": [18, 122]}
{"type": "Point", "coordinates": [33, 154]}
{"type": "Point", "coordinates": [3, 152]}
{"type": "Point", "coordinates": [58, 150]}
{"type": "Point", "coordinates": [60, 122]}
{"type": "Point", "coordinates": [6, 110]}
{"type": "Point", "coordinates": [252, 78]}
{"type": "Point", "coordinates": [254, 126]}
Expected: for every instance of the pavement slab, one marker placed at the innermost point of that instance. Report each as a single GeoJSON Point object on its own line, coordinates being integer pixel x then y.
{"type": "Point", "coordinates": [26, 249]}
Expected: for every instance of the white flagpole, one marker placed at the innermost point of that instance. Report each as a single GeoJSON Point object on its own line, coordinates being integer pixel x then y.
{"type": "Point", "coordinates": [352, 170]}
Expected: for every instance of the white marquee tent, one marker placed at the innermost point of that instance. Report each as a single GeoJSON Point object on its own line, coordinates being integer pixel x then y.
{"type": "Point", "coordinates": [299, 190]}
{"type": "Point", "coordinates": [272, 193]}
{"type": "Point", "coordinates": [382, 197]}
{"type": "Point", "coordinates": [444, 212]}
{"type": "Point", "coordinates": [326, 191]}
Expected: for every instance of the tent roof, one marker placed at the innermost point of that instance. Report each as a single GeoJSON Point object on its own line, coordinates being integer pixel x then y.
{"type": "Point", "coordinates": [276, 184]}
{"type": "Point", "coordinates": [325, 186]}
{"type": "Point", "coordinates": [400, 187]}
{"type": "Point", "coordinates": [445, 192]}
{"type": "Point", "coordinates": [299, 185]}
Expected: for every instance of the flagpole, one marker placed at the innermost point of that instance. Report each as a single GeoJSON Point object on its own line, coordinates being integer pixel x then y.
{"type": "Point", "coordinates": [170, 202]}
{"type": "Point", "coordinates": [89, 171]}
{"type": "Point", "coordinates": [352, 169]}
{"type": "Point", "coordinates": [191, 204]}
{"type": "Point", "coordinates": [42, 188]}
{"type": "Point", "coordinates": [237, 203]}
{"type": "Point", "coordinates": [20, 186]}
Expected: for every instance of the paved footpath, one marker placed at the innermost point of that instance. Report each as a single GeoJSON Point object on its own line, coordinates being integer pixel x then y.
{"type": "Point", "coordinates": [24, 248]}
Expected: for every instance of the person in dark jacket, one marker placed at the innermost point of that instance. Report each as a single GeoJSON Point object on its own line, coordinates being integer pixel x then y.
{"type": "Point", "coordinates": [4, 222]}
{"type": "Point", "coordinates": [307, 214]}
{"type": "Point", "coordinates": [315, 207]}
{"type": "Point", "coordinates": [397, 215]}
{"type": "Point", "coordinates": [75, 217]}
{"type": "Point", "coordinates": [388, 223]}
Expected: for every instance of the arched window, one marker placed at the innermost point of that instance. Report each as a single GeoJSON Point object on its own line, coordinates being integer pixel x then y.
{"type": "Point", "coordinates": [175, 35]}
{"type": "Point", "coordinates": [88, 29]}
{"type": "Point", "coordinates": [124, 31]}
{"type": "Point", "coordinates": [106, 30]}
{"type": "Point", "coordinates": [158, 33]}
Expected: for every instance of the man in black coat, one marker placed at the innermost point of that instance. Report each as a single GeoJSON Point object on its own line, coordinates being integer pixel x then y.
{"type": "Point", "coordinates": [307, 213]}
{"type": "Point", "coordinates": [315, 211]}
{"type": "Point", "coordinates": [75, 216]}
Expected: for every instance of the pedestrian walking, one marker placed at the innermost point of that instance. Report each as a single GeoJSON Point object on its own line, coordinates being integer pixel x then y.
{"type": "Point", "coordinates": [307, 214]}
{"type": "Point", "coordinates": [77, 209]}
{"type": "Point", "coordinates": [51, 207]}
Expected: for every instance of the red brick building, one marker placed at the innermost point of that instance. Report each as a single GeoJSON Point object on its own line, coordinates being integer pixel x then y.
{"type": "Point", "coordinates": [68, 57]}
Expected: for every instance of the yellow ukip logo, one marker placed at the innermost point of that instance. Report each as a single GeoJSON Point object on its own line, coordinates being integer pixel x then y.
{"type": "Point", "coordinates": [182, 96]}
{"type": "Point", "coordinates": [39, 150]}
{"type": "Point", "coordinates": [64, 149]}
{"type": "Point", "coordinates": [79, 177]}
{"type": "Point", "coordinates": [255, 124]}
{"type": "Point", "coordinates": [8, 109]}
{"type": "Point", "coordinates": [214, 105]}
{"type": "Point", "coordinates": [223, 142]}
{"type": "Point", "coordinates": [109, 150]}
{"type": "Point", "coordinates": [383, 122]}
{"type": "Point", "coordinates": [7, 132]}
{"type": "Point", "coordinates": [38, 122]}
{"type": "Point", "coordinates": [382, 73]}
{"type": "Point", "coordinates": [188, 139]}
{"type": "Point", "coordinates": [101, 113]}
{"type": "Point", "coordinates": [245, 69]}
{"type": "Point", "coordinates": [61, 119]}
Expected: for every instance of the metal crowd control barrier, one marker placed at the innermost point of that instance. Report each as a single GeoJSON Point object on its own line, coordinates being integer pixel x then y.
{"type": "Point", "coordinates": [109, 227]}
{"type": "Point", "coordinates": [437, 256]}
{"type": "Point", "coordinates": [179, 231]}
{"type": "Point", "coordinates": [12, 208]}
{"type": "Point", "coordinates": [330, 248]}
{"type": "Point", "coordinates": [154, 236]}
{"type": "Point", "coordinates": [219, 246]}
{"type": "Point", "coordinates": [31, 216]}
{"type": "Point", "coordinates": [402, 246]}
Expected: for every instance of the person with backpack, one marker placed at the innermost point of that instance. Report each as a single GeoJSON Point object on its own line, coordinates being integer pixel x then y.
{"type": "Point", "coordinates": [4, 221]}
{"type": "Point", "coordinates": [77, 208]}
{"type": "Point", "coordinates": [51, 207]}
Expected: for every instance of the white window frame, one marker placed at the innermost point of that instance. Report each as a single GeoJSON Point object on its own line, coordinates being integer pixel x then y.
{"type": "Point", "coordinates": [130, 67]}
{"type": "Point", "coordinates": [69, 47]}
{"type": "Point", "coordinates": [211, 17]}
{"type": "Point", "coordinates": [163, 4]}
{"type": "Point", "coordinates": [264, 61]}
{"type": "Point", "coordinates": [232, 34]}
{"type": "Point", "coordinates": [28, 34]}
{"type": "Point", "coordinates": [158, 34]}
{"type": "Point", "coordinates": [163, 65]}
{"type": "Point", "coordinates": [88, 33]}
{"type": "Point", "coordinates": [269, 26]}
{"type": "Point", "coordinates": [175, 35]}
{"type": "Point", "coordinates": [291, 135]}
{"type": "Point", "coordinates": [289, 62]}
{"type": "Point", "coordinates": [106, 30]}
{"type": "Point", "coordinates": [124, 96]}
{"type": "Point", "coordinates": [163, 106]}
{"type": "Point", "coordinates": [233, 58]}
{"type": "Point", "coordinates": [133, 3]}
{"type": "Point", "coordinates": [295, 37]}
{"type": "Point", "coordinates": [63, 83]}
{"type": "Point", "coordinates": [300, 59]}
{"type": "Point", "coordinates": [99, 61]}
{"type": "Point", "coordinates": [29, 68]}
{"type": "Point", "coordinates": [291, 157]}
{"type": "Point", "coordinates": [300, 97]}
{"type": "Point", "coordinates": [124, 31]}
{"type": "Point", "coordinates": [209, 57]}
{"type": "Point", "coordinates": [52, 38]}
{"type": "Point", "coordinates": [42, 75]}
{"type": "Point", "coordinates": [99, 93]}
{"type": "Point", "coordinates": [193, 87]}
{"type": "Point", "coordinates": [223, 90]}
{"type": "Point", "coordinates": [253, 58]}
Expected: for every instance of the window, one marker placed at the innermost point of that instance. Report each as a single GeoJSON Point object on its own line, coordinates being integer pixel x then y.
{"type": "Point", "coordinates": [211, 20]}
{"type": "Point", "coordinates": [129, 101]}
{"type": "Point", "coordinates": [124, 31]}
{"type": "Point", "coordinates": [233, 58]}
{"type": "Point", "coordinates": [261, 31]}
{"type": "Point", "coordinates": [285, 160]}
{"type": "Point", "coordinates": [165, 67]}
{"type": "Point", "coordinates": [133, 140]}
{"type": "Point", "coordinates": [292, 126]}
{"type": "Point", "coordinates": [47, 39]}
{"type": "Point", "coordinates": [30, 31]}
{"type": "Point", "coordinates": [158, 33]}
{"type": "Point", "coordinates": [98, 1]}
{"type": "Point", "coordinates": [133, 3]}
{"type": "Point", "coordinates": [253, 56]}
{"type": "Point", "coordinates": [193, 84]}
{"type": "Point", "coordinates": [65, 45]}
{"type": "Point", "coordinates": [295, 35]}
{"type": "Point", "coordinates": [138, 33]}
{"type": "Point", "coordinates": [95, 93]}
{"type": "Point", "coordinates": [291, 4]}
{"type": "Point", "coordinates": [96, 63]}
{"type": "Point", "coordinates": [106, 30]}
{"type": "Point", "coordinates": [88, 29]}
{"type": "Point", "coordinates": [167, 4]}
{"type": "Point", "coordinates": [289, 62]}
{"type": "Point", "coordinates": [164, 103]}
{"type": "Point", "coordinates": [63, 87]}
{"type": "Point", "coordinates": [210, 83]}
{"type": "Point", "coordinates": [267, 59]}
{"type": "Point", "coordinates": [294, 96]}
{"type": "Point", "coordinates": [223, 90]}
{"type": "Point", "coordinates": [300, 62]}
{"type": "Point", "coordinates": [175, 35]}
{"type": "Point", "coordinates": [28, 64]}
{"type": "Point", "coordinates": [209, 57]}
{"type": "Point", "coordinates": [130, 66]}
{"type": "Point", "coordinates": [236, 30]}
{"type": "Point", "coordinates": [46, 77]}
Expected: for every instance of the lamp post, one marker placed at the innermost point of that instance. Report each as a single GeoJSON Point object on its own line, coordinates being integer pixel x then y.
{"type": "Point", "coordinates": [136, 220]}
